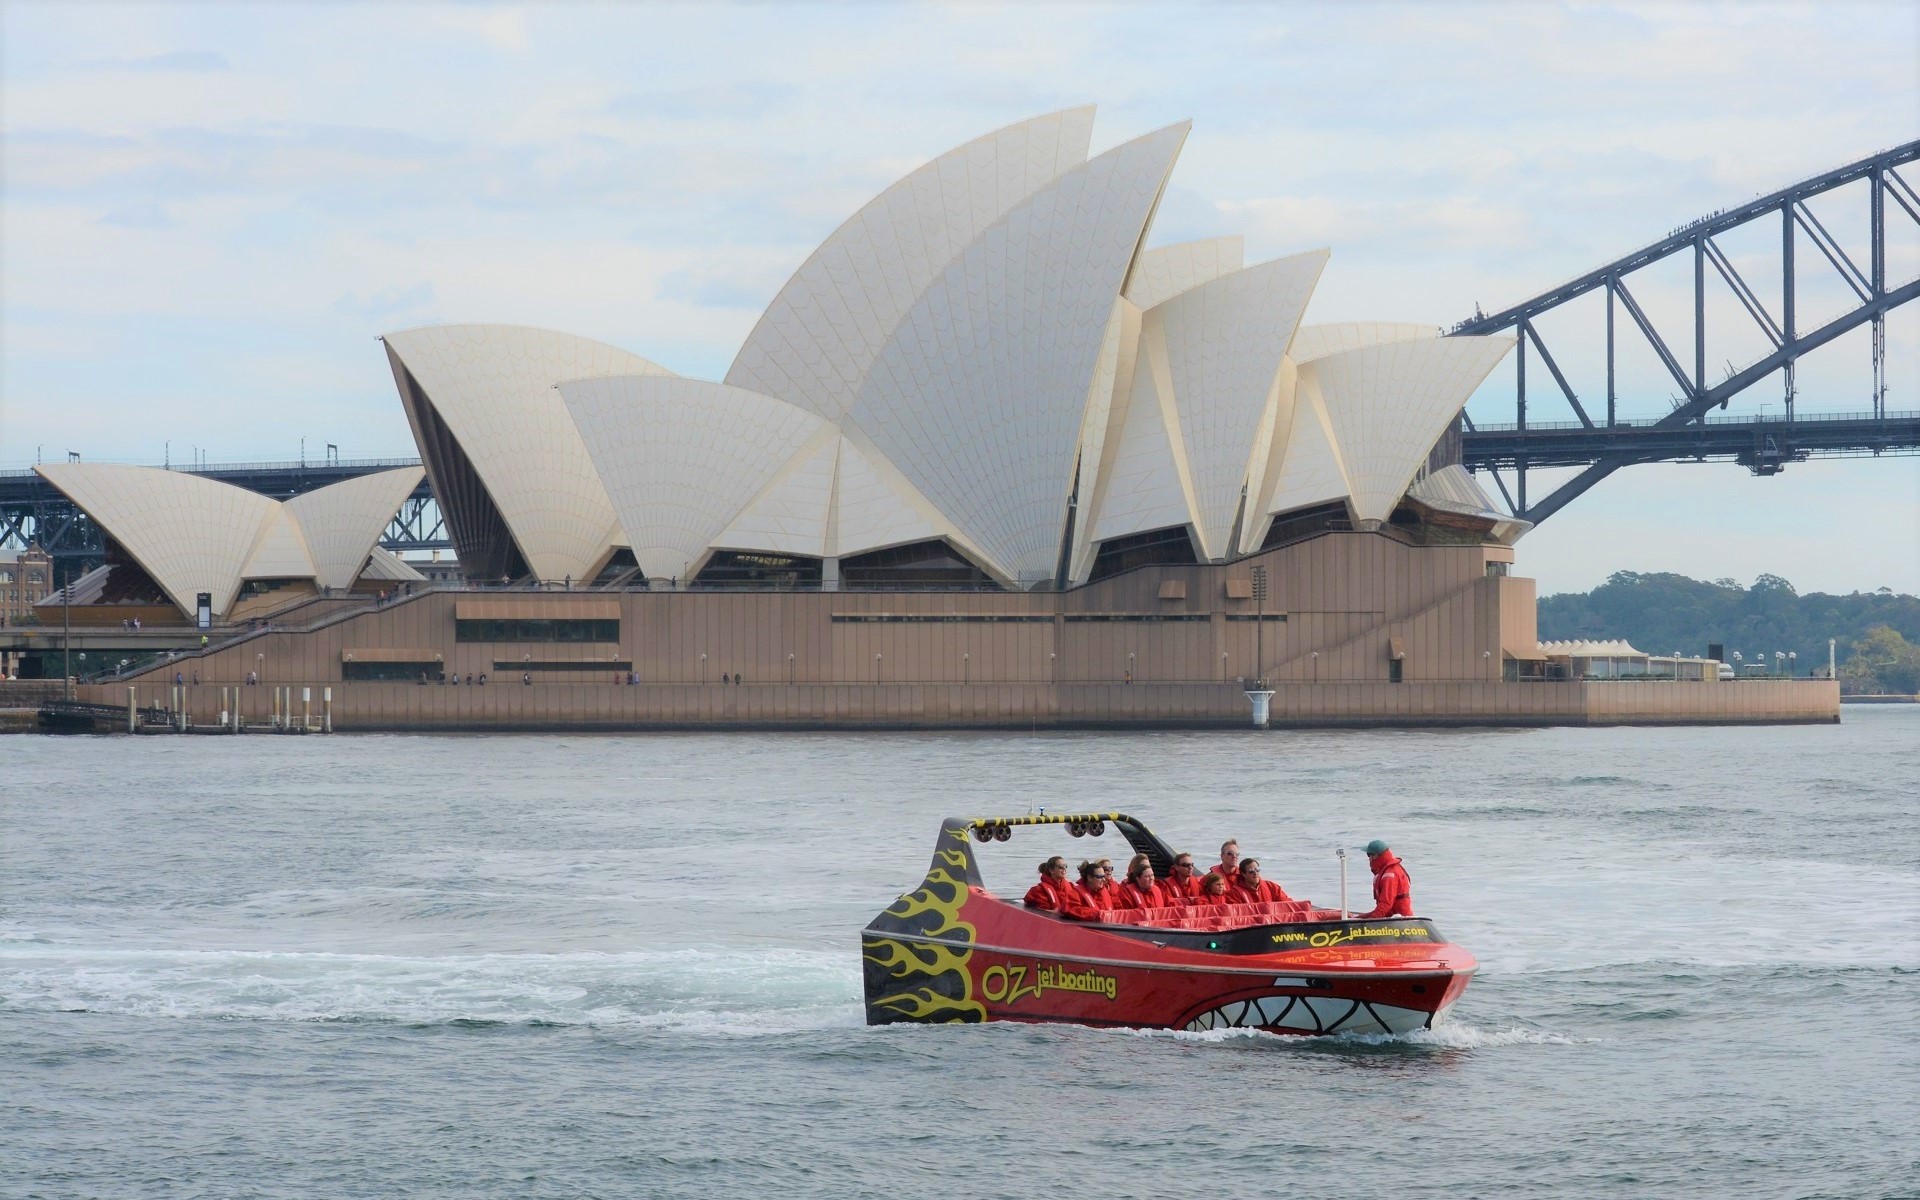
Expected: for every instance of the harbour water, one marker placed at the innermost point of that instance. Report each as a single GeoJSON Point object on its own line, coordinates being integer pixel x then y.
{"type": "Point", "coordinates": [628, 966]}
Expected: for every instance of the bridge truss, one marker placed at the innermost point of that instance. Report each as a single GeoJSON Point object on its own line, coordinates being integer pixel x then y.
{"type": "Point", "coordinates": [1764, 444]}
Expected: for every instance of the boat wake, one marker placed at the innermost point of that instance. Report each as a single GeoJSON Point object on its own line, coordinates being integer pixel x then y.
{"type": "Point", "coordinates": [717, 992]}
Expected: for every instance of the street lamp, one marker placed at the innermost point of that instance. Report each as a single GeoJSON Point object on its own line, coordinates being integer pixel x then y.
{"type": "Point", "coordinates": [876, 668]}
{"type": "Point", "coordinates": [1793, 662]}
{"type": "Point", "coordinates": [966, 667]}
{"type": "Point", "coordinates": [789, 668]}
{"type": "Point", "coordinates": [1316, 665]}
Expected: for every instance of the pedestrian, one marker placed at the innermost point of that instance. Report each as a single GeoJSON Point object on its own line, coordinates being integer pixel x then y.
{"type": "Point", "coordinates": [526, 677]}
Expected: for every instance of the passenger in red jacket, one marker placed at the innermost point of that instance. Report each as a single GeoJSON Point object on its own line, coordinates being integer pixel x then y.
{"type": "Point", "coordinates": [1140, 890]}
{"type": "Point", "coordinates": [1228, 867]}
{"type": "Point", "coordinates": [1213, 892]}
{"type": "Point", "coordinates": [1252, 889]}
{"type": "Point", "coordinates": [1096, 886]}
{"type": "Point", "coordinates": [1183, 885]}
{"type": "Point", "coordinates": [1392, 889]}
{"type": "Point", "coordinates": [1050, 892]}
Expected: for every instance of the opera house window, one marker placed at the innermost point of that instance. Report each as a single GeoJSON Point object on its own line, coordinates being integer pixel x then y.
{"type": "Point", "coordinates": [536, 630]}
{"type": "Point", "coordinates": [387, 672]}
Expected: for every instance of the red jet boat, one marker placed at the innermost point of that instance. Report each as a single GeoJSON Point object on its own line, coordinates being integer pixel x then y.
{"type": "Point", "coordinates": [953, 951]}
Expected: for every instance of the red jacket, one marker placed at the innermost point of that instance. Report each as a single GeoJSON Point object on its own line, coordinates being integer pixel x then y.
{"type": "Point", "coordinates": [1063, 898]}
{"type": "Point", "coordinates": [1131, 895]}
{"type": "Point", "coordinates": [1177, 891]}
{"type": "Point", "coordinates": [1105, 900]}
{"type": "Point", "coordinates": [1045, 895]}
{"type": "Point", "coordinates": [1264, 892]}
{"type": "Point", "coordinates": [1392, 890]}
{"type": "Point", "coordinates": [1220, 869]}
{"type": "Point", "coordinates": [1203, 900]}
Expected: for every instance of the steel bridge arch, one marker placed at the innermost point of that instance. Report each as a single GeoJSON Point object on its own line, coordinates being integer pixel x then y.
{"type": "Point", "coordinates": [1685, 433]}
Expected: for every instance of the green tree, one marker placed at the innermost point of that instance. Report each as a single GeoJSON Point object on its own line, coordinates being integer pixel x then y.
{"type": "Point", "coordinates": [1660, 613]}
{"type": "Point", "coordinates": [1882, 661]}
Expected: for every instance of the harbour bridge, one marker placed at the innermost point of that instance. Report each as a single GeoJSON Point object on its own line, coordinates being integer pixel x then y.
{"type": "Point", "coordinates": [1597, 440]}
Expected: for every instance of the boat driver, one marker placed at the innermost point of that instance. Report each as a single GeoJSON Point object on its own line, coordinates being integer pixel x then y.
{"type": "Point", "coordinates": [1392, 889]}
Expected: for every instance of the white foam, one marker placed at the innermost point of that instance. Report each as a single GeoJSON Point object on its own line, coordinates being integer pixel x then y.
{"type": "Point", "coordinates": [1453, 1035]}
{"type": "Point", "coordinates": [755, 992]}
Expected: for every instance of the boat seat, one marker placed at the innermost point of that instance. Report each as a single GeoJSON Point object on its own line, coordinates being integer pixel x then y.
{"type": "Point", "coordinates": [1232, 916]}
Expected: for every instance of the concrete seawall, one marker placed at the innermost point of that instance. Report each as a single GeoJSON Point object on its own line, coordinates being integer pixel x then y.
{"type": "Point", "coordinates": [576, 706]}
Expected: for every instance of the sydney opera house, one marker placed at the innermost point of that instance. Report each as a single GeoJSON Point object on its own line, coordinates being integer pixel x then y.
{"type": "Point", "coordinates": [987, 457]}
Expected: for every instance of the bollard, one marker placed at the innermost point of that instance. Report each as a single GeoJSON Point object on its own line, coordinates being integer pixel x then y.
{"type": "Point", "coordinates": [326, 709]}
{"type": "Point", "coordinates": [306, 709]}
{"type": "Point", "coordinates": [133, 708]}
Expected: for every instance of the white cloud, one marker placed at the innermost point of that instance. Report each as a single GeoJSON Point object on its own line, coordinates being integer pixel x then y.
{"type": "Point", "coordinates": [501, 28]}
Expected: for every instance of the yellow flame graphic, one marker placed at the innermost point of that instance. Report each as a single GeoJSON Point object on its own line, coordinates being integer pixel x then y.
{"type": "Point", "coordinates": [917, 969]}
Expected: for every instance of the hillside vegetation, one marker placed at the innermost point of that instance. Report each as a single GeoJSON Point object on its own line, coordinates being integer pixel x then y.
{"type": "Point", "coordinates": [1877, 633]}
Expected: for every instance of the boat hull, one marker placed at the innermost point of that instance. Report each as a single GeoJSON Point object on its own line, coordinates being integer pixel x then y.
{"type": "Point", "coordinates": [978, 958]}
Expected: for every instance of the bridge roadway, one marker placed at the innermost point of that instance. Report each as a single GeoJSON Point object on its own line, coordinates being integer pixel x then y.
{"type": "Point", "coordinates": [1763, 444]}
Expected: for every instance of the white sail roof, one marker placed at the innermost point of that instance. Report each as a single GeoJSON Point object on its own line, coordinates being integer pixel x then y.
{"type": "Point", "coordinates": [979, 396]}
{"type": "Point", "coordinates": [1453, 489]}
{"type": "Point", "coordinates": [1146, 485]}
{"type": "Point", "coordinates": [493, 387]}
{"type": "Point", "coordinates": [342, 522]}
{"type": "Point", "coordinates": [792, 514]}
{"type": "Point", "coordinates": [821, 335]}
{"type": "Point", "coordinates": [385, 565]}
{"type": "Point", "coordinates": [1224, 339]}
{"type": "Point", "coordinates": [1318, 341]}
{"type": "Point", "coordinates": [191, 534]}
{"type": "Point", "coordinates": [280, 552]}
{"type": "Point", "coordinates": [1164, 272]}
{"type": "Point", "coordinates": [1388, 403]}
{"type": "Point", "coordinates": [682, 457]}
{"type": "Point", "coordinates": [1310, 469]}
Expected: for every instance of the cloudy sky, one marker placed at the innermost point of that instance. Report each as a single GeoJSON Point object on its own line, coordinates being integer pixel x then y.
{"type": "Point", "coordinates": [210, 212]}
